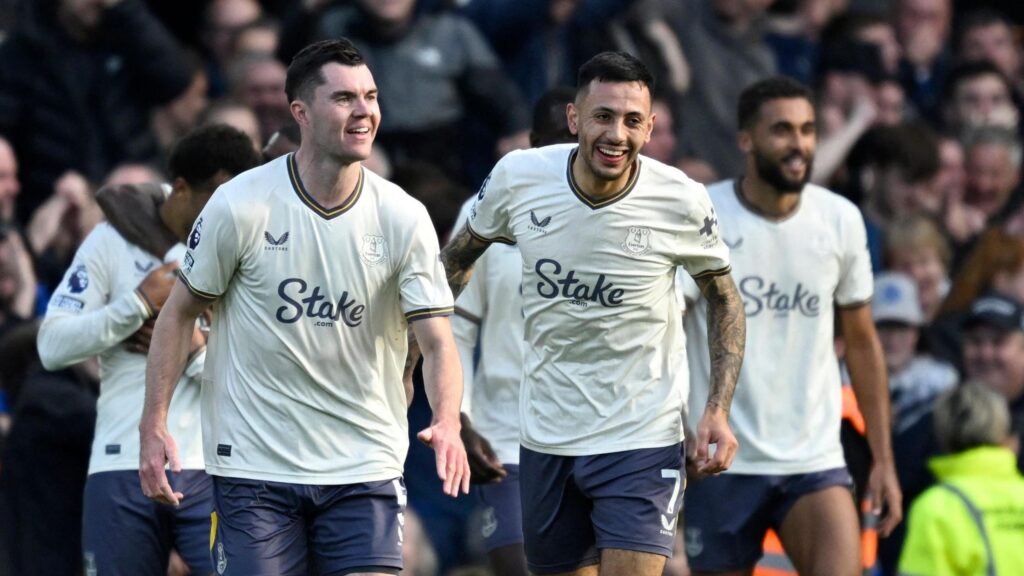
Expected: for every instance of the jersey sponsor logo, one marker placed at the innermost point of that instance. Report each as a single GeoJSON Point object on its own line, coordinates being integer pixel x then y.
{"type": "Point", "coordinates": [143, 268]}
{"type": "Point", "coordinates": [572, 288]}
{"type": "Point", "coordinates": [67, 303]}
{"type": "Point", "coordinates": [189, 262]}
{"type": "Point", "coordinates": [315, 306]}
{"type": "Point", "coordinates": [483, 188]}
{"type": "Point", "coordinates": [275, 244]}
{"type": "Point", "coordinates": [638, 241]}
{"type": "Point", "coordinates": [374, 250]}
{"type": "Point", "coordinates": [79, 279]}
{"type": "Point", "coordinates": [760, 296]}
{"type": "Point", "coordinates": [538, 224]}
{"type": "Point", "coordinates": [197, 233]}
{"type": "Point", "coordinates": [709, 231]}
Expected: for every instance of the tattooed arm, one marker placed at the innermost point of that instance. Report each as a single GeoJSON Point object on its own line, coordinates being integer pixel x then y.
{"type": "Point", "coordinates": [727, 334]}
{"type": "Point", "coordinates": [458, 258]}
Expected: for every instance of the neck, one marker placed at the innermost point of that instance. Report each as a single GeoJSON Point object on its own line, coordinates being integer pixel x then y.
{"type": "Point", "coordinates": [766, 198]}
{"type": "Point", "coordinates": [167, 220]}
{"type": "Point", "coordinates": [597, 187]}
{"type": "Point", "coordinates": [327, 180]}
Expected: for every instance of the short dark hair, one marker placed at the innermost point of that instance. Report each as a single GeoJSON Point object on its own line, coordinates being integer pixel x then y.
{"type": "Point", "coordinates": [911, 147]}
{"type": "Point", "coordinates": [550, 126]}
{"type": "Point", "coordinates": [207, 150]}
{"type": "Point", "coordinates": [305, 71]}
{"type": "Point", "coordinates": [614, 67]}
{"type": "Point", "coordinates": [775, 88]}
{"type": "Point", "coordinates": [977, 18]}
{"type": "Point", "coordinates": [970, 71]}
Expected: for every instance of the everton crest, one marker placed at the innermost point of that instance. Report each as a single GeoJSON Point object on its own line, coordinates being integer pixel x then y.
{"type": "Point", "coordinates": [375, 249]}
{"type": "Point", "coordinates": [638, 241]}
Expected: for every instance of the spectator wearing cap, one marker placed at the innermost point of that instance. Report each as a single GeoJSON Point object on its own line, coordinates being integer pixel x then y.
{"type": "Point", "coordinates": [915, 380]}
{"type": "Point", "coordinates": [972, 521]}
{"type": "Point", "coordinates": [994, 350]}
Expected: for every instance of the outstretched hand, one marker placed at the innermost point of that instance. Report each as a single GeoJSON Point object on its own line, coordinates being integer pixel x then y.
{"type": "Point", "coordinates": [450, 455]}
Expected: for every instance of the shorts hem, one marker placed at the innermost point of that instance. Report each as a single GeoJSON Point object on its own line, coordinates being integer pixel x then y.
{"type": "Point", "coordinates": [382, 569]}
{"type": "Point", "coordinates": [665, 551]}
{"type": "Point", "coordinates": [563, 567]}
{"type": "Point", "coordinates": [492, 546]}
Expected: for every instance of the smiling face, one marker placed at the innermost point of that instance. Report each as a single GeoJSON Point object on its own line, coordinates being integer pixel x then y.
{"type": "Point", "coordinates": [341, 116]}
{"type": "Point", "coordinates": [781, 142]}
{"type": "Point", "coordinates": [613, 121]}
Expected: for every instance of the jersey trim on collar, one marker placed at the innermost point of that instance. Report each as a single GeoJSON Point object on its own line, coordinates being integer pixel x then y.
{"type": "Point", "coordinates": [195, 291]}
{"type": "Point", "coordinates": [591, 202]}
{"type": "Point", "coordinates": [307, 199]}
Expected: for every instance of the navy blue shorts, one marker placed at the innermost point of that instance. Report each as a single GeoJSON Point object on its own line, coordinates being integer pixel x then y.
{"type": "Point", "coordinates": [575, 506]}
{"type": "Point", "coordinates": [275, 529]}
{"type": "Point", "coordinates": [123, 532]}
{"type": "Point", "coordinates": [727, 516]}
{"type": "Point", "coordinates": [502, 511]}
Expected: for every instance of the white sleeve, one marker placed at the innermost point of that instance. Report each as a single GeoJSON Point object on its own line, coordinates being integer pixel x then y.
{"type": "Point", "coordinates": [214, 250]}
{"type": "Point", "coordinates": [701, 250]}
{"type": "Point", "coordinates": [488, 218]}
{"type": "Point", "coordinates": [687, 290]}
{"type": "Point", "coordinates": [856, 284]}
{"type": "Point", "coordinates": [470, 310]}
{"type": "Point", "coordinates": [423, 284]}
{"type": "Point", "coordinates": [463, 216]}
{"type": "Point", "coordinates": [81, 321]}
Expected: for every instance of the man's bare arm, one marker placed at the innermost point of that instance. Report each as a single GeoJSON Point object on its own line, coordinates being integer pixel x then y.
{"type": "Point", "coordinates": [727, 337]}
{"type": "Point", "coordinates": [134, 211]}
{"type": "Point", "coordinates": [458, 258]}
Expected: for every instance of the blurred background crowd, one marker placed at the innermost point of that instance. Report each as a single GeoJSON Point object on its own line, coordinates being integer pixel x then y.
{"type": "Point", "coordinates": [919, 105]}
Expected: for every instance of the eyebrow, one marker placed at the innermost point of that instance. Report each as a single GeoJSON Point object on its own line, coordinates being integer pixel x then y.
{"type": "Point", "coordinates": [350, 93]}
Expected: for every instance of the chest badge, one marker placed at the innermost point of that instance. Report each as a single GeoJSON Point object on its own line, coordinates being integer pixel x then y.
{"type": "Point", "coordinates": [374, 250]}
{"type": "Point", "coordinates": [638, 241]}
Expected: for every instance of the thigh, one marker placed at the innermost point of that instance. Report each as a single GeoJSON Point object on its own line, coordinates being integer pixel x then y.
{"type": "Point", "coordinates": [631, 563]}
{"type": "Point", "coordinates": [357, 528]}
{"type": "Point", "coordinates": [819, 530]}
{"type": "Point", "coordinates": [257, 528]}
{"type": "Point", "coordinates": [191, 519]}
{"type": "Point", "coordinates": [725, 521]}
{"type": "Point", "coordinates": [121, 528]}
{"type": "Point", "coordinates": [636, 495]}
{"type": "Point", "coordinates": [558, 535]}
{"type": "Point", "coordinates": [502, 512]}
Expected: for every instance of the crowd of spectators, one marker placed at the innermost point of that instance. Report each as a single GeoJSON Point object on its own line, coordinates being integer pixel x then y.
{"type": "Point", "coordinates": [918, 116]}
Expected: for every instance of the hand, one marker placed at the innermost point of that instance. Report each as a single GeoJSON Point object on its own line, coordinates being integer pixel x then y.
{"type": "Point", "coordinates": [886, 497]}
{"type": "Point", "coordinates": [157, 449]}
{"type": "Point", "coordinates": [156, 286]}
{"type": "Point", "coordinates": [714, 429]}
{"type": "Point", "coordinates": [452, 465]}
{"type": "Point", "coordinates": [484, 466]}
{"type": "Point", "coordinates": [74, 188]}
{"type": "Point", "coordinates": [138, 342]}
{"type": "Point", "coordinates": [198, 341]}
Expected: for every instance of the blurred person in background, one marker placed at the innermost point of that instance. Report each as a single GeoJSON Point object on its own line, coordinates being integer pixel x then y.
{"type": "Point", "coordinates": [106, 306]}
{"type": "Point", "coordinates": [960, 221]}
{"type": "Point", "coordinates": [221, 20]}
{"type": "Point", "coordinates": [972, 521]}
{"type": "Point", "coordinates": [257, 81]}
{"type": "Point", "coordinates": [10, 185]}
{"type": "Point", "coordinates": [59, 225]}
{"type": "Point", "coordinates": [17, 280]}
{"type": "Point", "coordinates": [261, 36]}
{"type": "Point", "coordinates": [173, 120]}
{"type": "Point", "coordinates": [993, 158]}
{"type": "Point", "coordinates": [922, 28]}
{"type": "Point", "coordinates": [986, 34]}
{"type": "Point", "coordinates": [238, 116]}
{"type": "Point", "coordinates": [916, 246]}
{"type": "Point", "coordinates": [78, 81]}
{"type": "Point", "coordinates": [977, 94]}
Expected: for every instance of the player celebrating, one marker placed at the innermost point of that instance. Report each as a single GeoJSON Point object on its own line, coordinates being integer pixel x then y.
{"type": "Point", "coordinates": [601, 232]}
{"type": "Point", "coordinates": [797, 250]}
{"type": "Point", "coordinates": [100, 305]}
{"type": "Point", "coordinates": [318, 267]}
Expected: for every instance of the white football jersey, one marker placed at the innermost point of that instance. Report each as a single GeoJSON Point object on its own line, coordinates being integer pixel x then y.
{"type": "Point", "coordinates": [304, 375]}
{"type": "Point", "coordinates": [493, 300]}
{"type": "Point", "coordinates": [604, 362]}
{"type": "Point", "coordinates": [92, 312]}
{"type": "Point", "coordinates": [787, 408]}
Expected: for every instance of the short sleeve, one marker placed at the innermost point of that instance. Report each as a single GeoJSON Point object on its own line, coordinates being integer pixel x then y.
{"type": "Point", "coordinates": [856, 284]}
{"type": "Point", "coordinates": [214, 250]}
{"type": "Point", "coordinates": [701, 250]}
{"type": "Point", "coordinates": [473, 300]}
{"type": "Point", "coordinates": [488, 218]}
{"type": "Point", "coordinates": [86, 284]}
{"type": "Point", "coordinates": [423, 284]}
{"type": "Point", "coordinates": [687, 291]}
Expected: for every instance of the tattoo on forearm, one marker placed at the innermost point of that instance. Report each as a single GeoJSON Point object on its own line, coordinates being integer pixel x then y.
{"type": "Point", "coordinates": [727, 334]}
{"type": "Point", "coordinates": [458, 258]}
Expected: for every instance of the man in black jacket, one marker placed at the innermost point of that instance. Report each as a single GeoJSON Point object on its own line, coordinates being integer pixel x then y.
{"type": "Point", "coordinates": [77, 83]}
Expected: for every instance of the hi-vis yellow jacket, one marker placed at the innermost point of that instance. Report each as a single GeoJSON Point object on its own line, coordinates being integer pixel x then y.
{"type": "Point", "coordinates": [972, 522]}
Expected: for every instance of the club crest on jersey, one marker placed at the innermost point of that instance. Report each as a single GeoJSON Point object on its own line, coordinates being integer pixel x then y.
{"type": "Point", "coordinates": [79, 280]}
{"type": "Point", "coordinates": [374, 250]}
{"type": "Point", "coordinates": [638, 241]}
{"type": "Point", "coordinates": [275, 244]}
{"type": "Point", "coordinates": [197, 231]}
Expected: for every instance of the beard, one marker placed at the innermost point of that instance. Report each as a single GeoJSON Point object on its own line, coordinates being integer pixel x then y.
{"type": "Point", "coordinates": [771, 172]}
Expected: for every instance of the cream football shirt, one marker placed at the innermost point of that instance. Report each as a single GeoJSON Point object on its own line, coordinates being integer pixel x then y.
{"type": "Point", "coordinates": [304, 375]}
{"type": "Point", "coordinates": [604, 361]}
